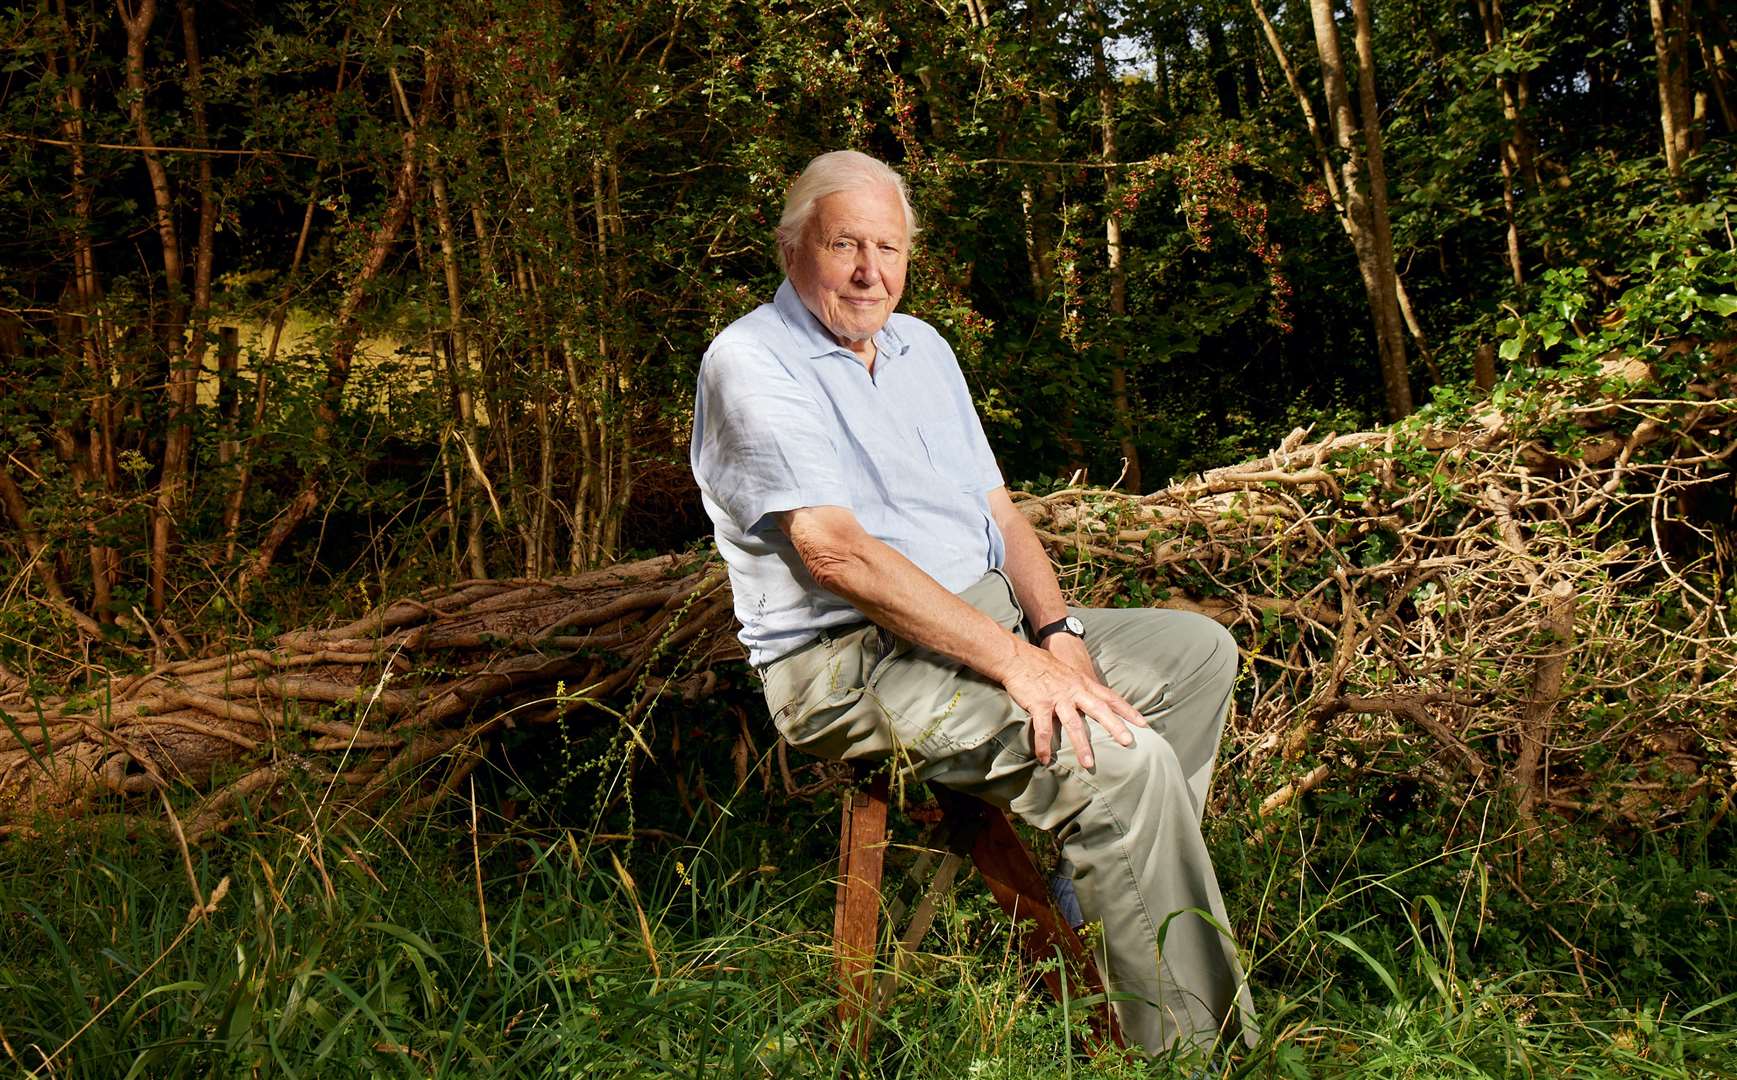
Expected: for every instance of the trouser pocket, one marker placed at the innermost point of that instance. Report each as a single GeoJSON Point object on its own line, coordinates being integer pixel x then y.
{"type": "Point", "coordinates": [867, 692]}
{"type": "Point", "coordinates": [935, 704]}
{"type": "Point", "coordinates": [809, 691]}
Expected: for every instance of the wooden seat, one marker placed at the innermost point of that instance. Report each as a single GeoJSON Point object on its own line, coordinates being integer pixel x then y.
{"type": "Point", "coordinates": [969, 828]}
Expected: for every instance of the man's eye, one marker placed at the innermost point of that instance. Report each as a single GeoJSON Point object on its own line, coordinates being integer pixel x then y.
{"type": "Point", "coordinates": [842, 245]}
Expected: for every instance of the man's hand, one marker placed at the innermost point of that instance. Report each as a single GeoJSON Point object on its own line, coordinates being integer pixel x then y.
{"type": "Point", "coordinates": [1054, 685]}
{"type": "Point", "coordinates": [1063, 683]}
{"type": "Point", "coordinates": [1071, 651]}
{"type": "Point", "coordinates": [1064, 688]}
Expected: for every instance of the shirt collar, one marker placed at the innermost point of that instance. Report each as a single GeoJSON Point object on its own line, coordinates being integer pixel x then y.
{"type": "Point", "coordinates": [811, 336]}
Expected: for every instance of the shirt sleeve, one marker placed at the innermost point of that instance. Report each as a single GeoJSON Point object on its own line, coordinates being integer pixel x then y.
{"type": "Point", "coordinates": [759, 446]}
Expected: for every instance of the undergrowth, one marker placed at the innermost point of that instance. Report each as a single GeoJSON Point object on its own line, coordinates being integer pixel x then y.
{"type": "Point", "coordinates": [1379, 943]}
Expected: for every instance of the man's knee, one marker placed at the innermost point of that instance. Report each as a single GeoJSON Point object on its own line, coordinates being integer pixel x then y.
{"type": "Point", "coordinates": [1211, 650]}
{"type": "Point", "coordinates": [1150, 764]}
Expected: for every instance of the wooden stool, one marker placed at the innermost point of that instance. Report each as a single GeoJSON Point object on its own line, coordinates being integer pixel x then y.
{"type": "Point", "coordinates": [970, 828]}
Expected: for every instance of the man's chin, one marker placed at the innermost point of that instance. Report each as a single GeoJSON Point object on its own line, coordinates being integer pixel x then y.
{"type": "Point", "coordinates": [853, 335]}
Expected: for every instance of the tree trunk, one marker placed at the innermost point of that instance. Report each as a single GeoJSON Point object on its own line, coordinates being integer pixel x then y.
{"type": "Point", "coordinates": [483, 347]}
{"type": "Point", "coordinates": [184, 381]}
{"type": "Point", "coordinates": [580, 552]}
{"type": "Point", "coordinates": [1330, 180]}
{"type": "Point", "coordinates": [1528, 780]}
{"type": "Point", "coordinates": [584, 413]}
{"type": "Point", "coordinates": [467, 507]}
{"type": "Point", "coordinates": [614, 474]}
{"type": "Point", "coordinates": [1717, 60]}
{"type": "Point", "coordinates": [279, 314]}
{"type": "Point", "coordinates": [1038, 204]}
{"type": "Point", "coordinates": [1517, 157]}
{"type": "Point", "coordinates": [228, 393]}
{"type": "Point", "coordinates": [137, 23]}
{"type": "Point", "coordinates": [102, 466]}
{"type": "Point", "coordinates": [1324, 159]}
{"type": "Point", "coordinates": [1491, 18]}
{"type": "Point", "coordinates": [1120, 401]}
{"type": "Point", "coordinates": [1040, 208]}
{"type": "Point", "coordinates": [521, 493]}
{"type": "Point", "coordinates": [1394, 364]}
{"type": "Point", "coordinates": [1671, 44]}
{"type": "Point", "coordinates": [1223, 75]}
{"type": "Point", "coordinates": [12, 501]}
{"type": "Point", "coordinates": [1254, 78]}
{"type": "Point", "coordinates": [330, 402]}
{"type": "Point", "coordinates": [1374, 258]}
{"type": "Point", "coordinates": [537, 560]}
{"type": "Point", "coordinates": [1516, 93]}
{"type": "Point", "coordinates": [1484, 367]}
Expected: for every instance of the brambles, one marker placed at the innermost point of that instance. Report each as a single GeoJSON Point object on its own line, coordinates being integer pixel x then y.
{"type": "Point", "coordinates": [1550, 578]}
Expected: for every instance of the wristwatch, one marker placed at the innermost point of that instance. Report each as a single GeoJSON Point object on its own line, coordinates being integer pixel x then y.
{"type": "Point", "coordinates": [1067, 624]}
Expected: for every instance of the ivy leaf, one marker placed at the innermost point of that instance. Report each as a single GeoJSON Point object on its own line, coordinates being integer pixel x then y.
{"type": "Point", "coordinates": [1724, 305]}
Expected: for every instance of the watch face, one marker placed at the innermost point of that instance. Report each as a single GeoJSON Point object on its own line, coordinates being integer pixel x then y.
{"type": "Point", "coordinates": [1075, 626]}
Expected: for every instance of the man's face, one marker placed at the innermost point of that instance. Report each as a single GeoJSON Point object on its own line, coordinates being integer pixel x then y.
{"type": "Point", "coordinates": [849, 268]}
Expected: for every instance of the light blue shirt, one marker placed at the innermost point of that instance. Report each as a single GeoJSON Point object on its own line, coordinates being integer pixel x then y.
{"type": "Point", "coordinates": [785, 417]}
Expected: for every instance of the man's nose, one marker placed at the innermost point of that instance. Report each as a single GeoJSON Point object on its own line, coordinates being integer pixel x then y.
{"type": "Point", "coordinates": [868, 265]}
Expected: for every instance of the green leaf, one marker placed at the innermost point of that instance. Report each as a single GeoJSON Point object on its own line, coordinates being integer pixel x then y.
{"type": "Point", "coordinates": [1374, 965]}
{"type": "Point", "coordinates": [1724, 305]}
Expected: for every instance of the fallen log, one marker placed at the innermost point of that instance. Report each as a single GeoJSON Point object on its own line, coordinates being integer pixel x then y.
{"type": "Point", "coordinates": [372, 704]}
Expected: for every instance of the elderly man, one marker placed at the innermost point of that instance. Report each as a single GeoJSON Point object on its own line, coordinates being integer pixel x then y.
{"type": "Point", "coordinates": [898, 605]}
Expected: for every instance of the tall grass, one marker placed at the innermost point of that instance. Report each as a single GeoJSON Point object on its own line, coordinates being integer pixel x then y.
{"type": "Point", "coordinates": [703, 950]}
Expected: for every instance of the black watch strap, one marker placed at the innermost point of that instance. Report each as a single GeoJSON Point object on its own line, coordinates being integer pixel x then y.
{"type": "Point", "coordinates": [1067, 624]}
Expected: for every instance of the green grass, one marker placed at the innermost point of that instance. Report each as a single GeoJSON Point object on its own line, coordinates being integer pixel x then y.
{"type": "Point", "coordinates": [1377, 949]}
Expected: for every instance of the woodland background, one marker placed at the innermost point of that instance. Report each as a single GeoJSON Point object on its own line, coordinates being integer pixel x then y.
{"type": "Point", "coordinates": [307, 308]}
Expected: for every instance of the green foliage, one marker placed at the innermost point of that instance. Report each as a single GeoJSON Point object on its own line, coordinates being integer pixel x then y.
{"type": "Point", "coordinates": [611, 174]}
{"type": "Point", "coordinates": [1380, 947]}
{"type": "Point", "coordinates": [608, 178]}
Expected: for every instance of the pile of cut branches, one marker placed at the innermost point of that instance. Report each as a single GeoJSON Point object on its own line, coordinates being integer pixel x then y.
{"type": "Point", "coordinates": [1531, 599]}
{"type": "Point", "coordinates": [1535, 599]}
{"type": "Point", "coordinates": [398, 705]}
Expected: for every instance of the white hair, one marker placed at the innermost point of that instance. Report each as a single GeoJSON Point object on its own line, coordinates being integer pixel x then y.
{"type": "Point", "coordinates": [829, 174]}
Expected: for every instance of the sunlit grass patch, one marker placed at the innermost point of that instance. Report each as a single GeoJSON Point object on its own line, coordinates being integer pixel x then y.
{"type": "Point", "coordinates": [704, 951]}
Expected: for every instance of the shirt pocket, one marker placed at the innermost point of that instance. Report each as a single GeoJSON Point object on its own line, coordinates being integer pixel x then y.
{"type": "Point", "coordinates": [949, 452]}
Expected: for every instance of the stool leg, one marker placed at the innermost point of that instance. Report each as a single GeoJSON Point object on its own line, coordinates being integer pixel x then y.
{"type": "Point", "coordinates": [1017, 885]}
{"type": "Point", "coordinates": [856, 917]}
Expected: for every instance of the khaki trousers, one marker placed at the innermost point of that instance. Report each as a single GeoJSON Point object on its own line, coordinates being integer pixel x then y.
{"type": "Point", "coordinates": [1129, 827]}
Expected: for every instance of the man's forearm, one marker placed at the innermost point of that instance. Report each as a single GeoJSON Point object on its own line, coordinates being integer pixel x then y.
{"type": "Point", "coordinates": [1027, 565]}
{"type": "Point", "coordinates": [895, 593]}
{"type": "Point", "coordinates": [1054, 690]}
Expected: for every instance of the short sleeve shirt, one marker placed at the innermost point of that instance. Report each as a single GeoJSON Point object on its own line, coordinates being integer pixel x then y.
{"type": "Point", "coordinates": [785, 417]}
